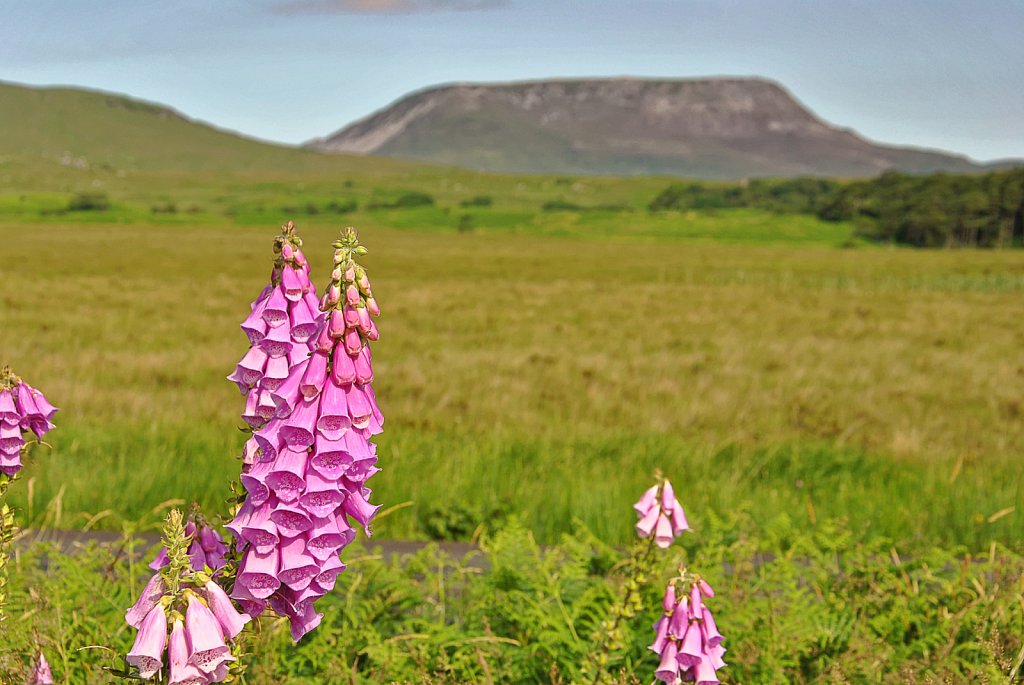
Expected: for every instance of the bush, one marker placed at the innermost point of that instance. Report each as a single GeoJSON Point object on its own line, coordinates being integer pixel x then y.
{"type": "Point", "coordinates": [89, 202]}
{"type": "Point", "coordinates": [478, 201]}
{"type": "Point", "coordinates": [413, 200]}
{"type": "Point", "coordinates": [560, 206]}
{"type": "Point", "coordinates": [460, 521]}
{"type": "Point", "coordinates": [405, 201]}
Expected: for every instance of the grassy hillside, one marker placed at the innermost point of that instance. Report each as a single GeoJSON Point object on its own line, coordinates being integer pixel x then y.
{"type": "Point", "coordinates": [89, 129]}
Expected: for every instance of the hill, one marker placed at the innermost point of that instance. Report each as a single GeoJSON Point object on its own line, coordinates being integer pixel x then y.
{"type": "Point", "coordinates": [53, 128]}
{"type": "Point", "coordinates": [703, 128]}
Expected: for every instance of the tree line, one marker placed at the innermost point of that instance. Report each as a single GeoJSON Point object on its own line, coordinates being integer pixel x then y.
{"type": "Point", "coordinates": [938, 210]}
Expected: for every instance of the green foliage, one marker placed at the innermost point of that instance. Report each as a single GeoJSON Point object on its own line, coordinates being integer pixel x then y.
{"type": "Point", "coordinates": [460, 520]}
{"type": "Point", "coordinates": [795, 606]}
{"type": "Point", "coordinates": [797, 195]}
{"type": "Point", "coordinates": [940, 210]}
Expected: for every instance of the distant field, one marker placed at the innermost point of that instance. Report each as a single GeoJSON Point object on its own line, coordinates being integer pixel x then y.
{"type": "Point", "coordinates": [527, 371]}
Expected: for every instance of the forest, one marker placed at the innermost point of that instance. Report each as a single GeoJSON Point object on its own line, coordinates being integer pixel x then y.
{"type": "Point", "coordinates": [937, 210]}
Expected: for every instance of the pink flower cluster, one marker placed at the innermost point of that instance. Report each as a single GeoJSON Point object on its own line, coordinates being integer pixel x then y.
{"type": "Point", "coordinates": [22, 409]}
{"type": "Point", "coordinates": [310, 461]}
{"type": "Point", "coordinates": [189, 605]}
{"type": "Point", "coordinates": [661, 514]}
{"type": "Point", "coordinates": [196, 651]}
{"type": "Point", "coordinates": [687, 638]}
{"type": "Point", "coordinates": [207, 549]}
{"type": "Point", "coordinates": [282, 324]}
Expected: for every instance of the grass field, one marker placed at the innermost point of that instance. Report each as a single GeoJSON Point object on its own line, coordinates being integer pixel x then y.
{"type": "Point", "coordinates": [544, 368]}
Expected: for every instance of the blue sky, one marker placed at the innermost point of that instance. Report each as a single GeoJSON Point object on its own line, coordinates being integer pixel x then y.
{"type": "Point", "coordinates": [932, 73]}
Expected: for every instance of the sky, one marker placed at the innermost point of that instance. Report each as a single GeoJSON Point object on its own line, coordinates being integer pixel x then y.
{"type": "Point", "coordinates": [929, 73]}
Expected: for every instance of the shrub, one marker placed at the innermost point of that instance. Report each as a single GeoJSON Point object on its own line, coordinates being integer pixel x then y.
{"type": "Point", "coordinates": [89, 202]}
{"type": "Point", "coordinates": [413, 200]}
{"type": "Point", "coordinates": [478, 201]}
{"type": "Point", "coordinates": [405, 201]}
{"type": "Point", "coordinates": [560, 206]}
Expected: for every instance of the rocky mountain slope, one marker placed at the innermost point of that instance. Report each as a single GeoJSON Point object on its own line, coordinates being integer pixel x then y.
{"type": "Point", "coordinates": [705, 128]}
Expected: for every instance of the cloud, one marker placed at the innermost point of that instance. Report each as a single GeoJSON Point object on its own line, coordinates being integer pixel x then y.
{"type": "Point", "coordinates": [384, 6]}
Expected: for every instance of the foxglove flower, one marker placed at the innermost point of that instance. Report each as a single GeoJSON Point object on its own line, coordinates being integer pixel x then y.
{"type": "Point", "coordinates": [203, 620]}
{"type": "Point", "coordinates": [281, 326]}
{"type": "Point", "coordinates": [204, 636]}
{"type": "Point", "coordinates": [307, 483]}
{"type": "Point", "coordinates": [660, 514]}
{"type": "Point", "coordinates": [686, 639]}
{"type": "Point", "coordinates": [182, 670]}
{"type": "Point", "coordinates": [151, 594]}
{"type": "Point", "coordinates": [147, 654]}
{"type": "Point", "coordinates": [41, 675]}
{"type": "Point", "coordinates": [24, 412]}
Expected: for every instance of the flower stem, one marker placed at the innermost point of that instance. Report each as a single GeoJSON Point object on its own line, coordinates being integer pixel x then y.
{"type": "Point", "coordinates": [8, 529]}
{"type": "Point", "coordinates": [611, 638]}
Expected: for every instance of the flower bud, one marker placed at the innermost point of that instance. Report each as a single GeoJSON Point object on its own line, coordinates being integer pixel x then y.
{"type": "Point", "coordinates": [352, 294]}
{"type": "Point", "coordinates": [351, 317]}
{"type": "Point", "coordinates": [336, 324]}
{"type": "Point", "coordinates": [362, 281]}
{"type": "Point", "coordinates": [364, 319]}
{"type": "Point", "coordinates": [333, 295]}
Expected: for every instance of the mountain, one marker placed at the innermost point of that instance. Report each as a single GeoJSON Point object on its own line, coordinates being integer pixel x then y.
{"type": "Point", "coordinates": [704, 128]}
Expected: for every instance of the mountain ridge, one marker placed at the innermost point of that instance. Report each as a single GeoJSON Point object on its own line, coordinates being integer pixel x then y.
{"type": "Point", "coordinates": [722, 127]}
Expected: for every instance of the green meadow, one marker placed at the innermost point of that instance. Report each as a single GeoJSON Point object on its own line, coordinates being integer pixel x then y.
{"type": "Point", "coordinates": [541, 368]}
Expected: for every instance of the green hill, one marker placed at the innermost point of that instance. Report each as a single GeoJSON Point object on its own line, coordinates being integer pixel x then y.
{"type": "Point", "coordinates": [67, 128]}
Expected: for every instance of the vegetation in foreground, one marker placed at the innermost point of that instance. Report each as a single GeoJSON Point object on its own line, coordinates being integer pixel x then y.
{"type": "Point", "coordinates": [796, 607]}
